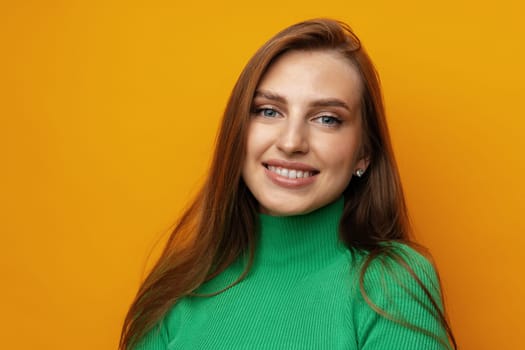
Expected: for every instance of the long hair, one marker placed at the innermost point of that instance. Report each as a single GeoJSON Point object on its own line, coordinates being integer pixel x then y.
{"type": "Point", "coordinates": [219, 226]}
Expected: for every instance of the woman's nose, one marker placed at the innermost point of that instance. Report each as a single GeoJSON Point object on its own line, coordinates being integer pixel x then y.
{"type": "Point", "coordinates": [293, 137]}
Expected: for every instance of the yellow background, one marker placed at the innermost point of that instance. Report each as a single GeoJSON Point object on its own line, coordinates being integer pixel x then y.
{"type": "Point", "coordinates": [108, 114]}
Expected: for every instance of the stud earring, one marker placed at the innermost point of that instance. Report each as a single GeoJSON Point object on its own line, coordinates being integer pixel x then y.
{"type": "Point", "coordinates": [359, 172]}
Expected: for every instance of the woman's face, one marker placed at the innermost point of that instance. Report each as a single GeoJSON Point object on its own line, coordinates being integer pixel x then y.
{"type": "Point", "coordinates": [304, 138]}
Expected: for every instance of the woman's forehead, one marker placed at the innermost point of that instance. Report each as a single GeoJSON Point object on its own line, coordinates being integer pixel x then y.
{"type": "Point", "coordinates": [319, 74]}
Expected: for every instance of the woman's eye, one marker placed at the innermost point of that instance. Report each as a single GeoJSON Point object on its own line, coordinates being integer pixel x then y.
{"type": "Point", "coordinates": [328, 120]}
{"type": "Point", "coordinates": [267, 112]}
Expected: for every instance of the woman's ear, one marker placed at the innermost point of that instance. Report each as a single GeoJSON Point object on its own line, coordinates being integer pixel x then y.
{"type": "Point", "coordinates": [361, 165]}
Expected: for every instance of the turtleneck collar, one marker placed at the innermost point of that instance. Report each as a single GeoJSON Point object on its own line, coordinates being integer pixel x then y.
{"type": "Point", "coordinates": [308, 241]}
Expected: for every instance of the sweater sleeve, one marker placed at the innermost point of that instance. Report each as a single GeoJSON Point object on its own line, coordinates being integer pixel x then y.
{"type": "Point", "coordinates": [401, 315]}
{"type": "Point", "coordinates": [155, 339]}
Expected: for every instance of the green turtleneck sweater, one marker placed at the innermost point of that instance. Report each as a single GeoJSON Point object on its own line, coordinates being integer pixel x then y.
{"type": "Point", "coordinates": [303, 293]}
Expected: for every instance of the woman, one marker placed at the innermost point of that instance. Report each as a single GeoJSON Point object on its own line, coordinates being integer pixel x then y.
{"type": "Point", "coordinates": [299, 238]}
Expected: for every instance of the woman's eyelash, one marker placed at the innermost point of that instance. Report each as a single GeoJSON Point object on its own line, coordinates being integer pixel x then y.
{"type": "Point", "coordinates": [329, 120]}
{"type": "Point", "coordinates": [266, 111]}
{"type": "Point", "coordinates": [270, 112]}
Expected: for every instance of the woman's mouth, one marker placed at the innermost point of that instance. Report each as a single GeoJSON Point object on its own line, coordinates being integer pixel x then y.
{"type": "Point", "coordinates": [290, 173]}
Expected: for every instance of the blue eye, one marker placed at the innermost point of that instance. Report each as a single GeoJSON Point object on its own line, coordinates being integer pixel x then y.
{"type": "Point", "coordinates": [329, 120]}
{"type": "Point", "coordinates": [266, 112]}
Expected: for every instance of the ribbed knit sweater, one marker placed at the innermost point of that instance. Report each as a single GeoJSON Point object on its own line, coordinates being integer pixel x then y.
{"type": "Point", "coordinates": [303, 293]}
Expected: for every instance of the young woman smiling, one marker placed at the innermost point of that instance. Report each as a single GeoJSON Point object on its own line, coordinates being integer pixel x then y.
{"type": "Point", "coordinates": [299, 239]}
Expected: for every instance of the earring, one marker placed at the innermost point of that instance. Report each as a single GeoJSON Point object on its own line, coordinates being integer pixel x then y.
{"type": "Point", "coordinates": [359, 172]}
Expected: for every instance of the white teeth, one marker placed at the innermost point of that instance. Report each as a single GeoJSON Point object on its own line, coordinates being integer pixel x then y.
{"type": "Point", "coordinates": [289, 173]}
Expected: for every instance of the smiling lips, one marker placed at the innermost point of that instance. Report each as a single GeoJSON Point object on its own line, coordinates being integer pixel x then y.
{"type": "Point", "coordinates": [290, 174]}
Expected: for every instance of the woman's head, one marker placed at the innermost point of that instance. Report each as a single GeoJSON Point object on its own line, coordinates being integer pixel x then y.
{"type": "Point", "coordinates": [304, 137]}
{"type": "Point", "coordinates": [378, 190]}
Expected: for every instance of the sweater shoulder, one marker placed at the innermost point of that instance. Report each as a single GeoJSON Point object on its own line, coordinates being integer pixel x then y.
{"type": "Point", "coordinates": [398, 303]}
{"type": "Point", "coordinates": [394, 258]}
{"type": "Point", "coordinates": [399, 270]}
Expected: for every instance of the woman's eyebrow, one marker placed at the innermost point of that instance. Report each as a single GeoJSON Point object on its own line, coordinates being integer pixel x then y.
{"type": "Point", "coordinates": [324, 102]}
{"type": "Point", "coordinates": [269, 96]}
{"type": "Point", "coordinates": [330, 102]}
